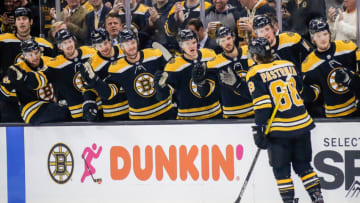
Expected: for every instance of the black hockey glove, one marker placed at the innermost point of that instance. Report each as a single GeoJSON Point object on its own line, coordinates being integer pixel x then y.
{"type": "Point", "coordinates": [230, 78]}
{"type": "Point", "coordinates": [344, 76]}
{"type": "Point", "coordinates": [88, 74]}
{"type": "Point", "coordinates": [198, 73]}
{"type": "Point", "coordinates": [90, 110]}
{"type": "Point", "coordinates": [260, 139]}
{"type": "Point", "coordinates": [16, 74]}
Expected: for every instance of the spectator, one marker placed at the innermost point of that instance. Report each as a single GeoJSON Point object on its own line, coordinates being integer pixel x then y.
{"type": "Point", "coordinates": [224, 12]}
{"type": "Point", "coordinates": [96, 18]}
{"type": "Point", "coordinates": [8, 17]}
{"type": "Point", "coordinates": [156, 21]}
{"type": "Point", "coordinates": [113, 26]}
{"type": "Point", "coordinates": [74, 17]}
{"type": "Point", "coordinates": [181, 13]}
{"type": "Point", "coordinates": [343, 23]}
{"type": "Point", "coordinates": [205, 41]}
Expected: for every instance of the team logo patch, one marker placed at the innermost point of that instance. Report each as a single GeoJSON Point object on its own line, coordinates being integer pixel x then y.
{"type": "Point", "coordinates": [60, 163]}
{"type": "Point", "coordinates": [194, 90]}
{"type": "Point", "coordinates": [144, 85]}
{"type": "Point", "coordinates": [335, 87]}
{"type": "Point", "coordinates": [241, 74]}
{"type": "Point", "coordinates": [47, 93]}
{"type": "Point", "coordinates": [78, 81]}
{"type": "Point", "coordinates": [18, 58]}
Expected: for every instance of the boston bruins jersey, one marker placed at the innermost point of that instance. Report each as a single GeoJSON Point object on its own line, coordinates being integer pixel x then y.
{"type": "Point", "coordinates": [291, 47]}
{"type": "Point", "coordinates": [138, 16]}
{"type": "Point", "coordinates": [265, 82]}
{"type": "Point", "coordinates": [191, 106]}
{"type": "Point", "coordinates": [319, 71]}
{"type": "Point", "coordinates": [10, 51]}
{"type": "Point", "coordinates": [137, 79]}
{"type": "Point", "coordinates": [236, 104]}
{"type": "Point", "coordinates": [172, 26]}
{"type": "Point", "coordinates": [66, 78]}
{"type": "Point", "coordinates": [118, 106]}
{"type": "Point", "coordinates": [30, 100]}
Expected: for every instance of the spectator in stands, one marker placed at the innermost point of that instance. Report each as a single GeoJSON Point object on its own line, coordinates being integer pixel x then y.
{"type": "Point", "coordinates": [96, 18]}
{"type": "Point", "coordinates": [156, 20]}
{"type": "Point", "coordinates": [224, 12]}
{"type": "Point", "coordinates": [343, 23]}
{"type": "Point", "coordinates": [113, 26]}
{"type": "Point", "coordinates": [8, 19]}
{"type": "Point", "coordinates": [251, 8]}
{"type": "Point", "coordinates": [74, 17]}
{"type": "Point", "coordinates": [181, 13]}
{"type": "Point", "coordinates": [205, 41]}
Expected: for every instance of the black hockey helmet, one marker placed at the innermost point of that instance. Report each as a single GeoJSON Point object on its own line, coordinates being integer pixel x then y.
{"type": "Point", "coordinates": [261, 21]}
{"type": "Point", "coordinates": [99, 35]}
{"type": "Point", "coordinates": [260, 46]}
{"type": "Point", "coordinates": [29, 45]}
{"type": "Point", "coordinates": [185, 35]}
{"type": "Point", "coordinates": [62, 35]}
{"type": "Point", "coordinates": [127, 35]}
{"type": "Point", "coordinates": [22, 11]}
{"type": "Point", "coordinates": [318, 25]}
{"type": "Point", "coordinates": [223, 31]}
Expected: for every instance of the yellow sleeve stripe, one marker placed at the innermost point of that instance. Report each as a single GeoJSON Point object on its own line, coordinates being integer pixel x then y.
{"type": "Point", "coordinates": [7, 92]}
{"type": "Point", "coordinates": [263, 106]}
{"type": "Point", "coordinates": [256, 100]}
{"type": "Point", "coordinates": [347, 103]}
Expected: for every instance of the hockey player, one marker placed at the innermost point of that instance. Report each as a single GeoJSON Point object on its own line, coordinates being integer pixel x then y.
{"type": "Point", "coordinates": [196, 96]}
{"type": "Point", "coordinates": [322, 66]}
{"type": "Point", "coordinates": [10, 53]}
{"type": "Point", "coordinates": [116, 108]}
{"type": "Point", "coordinates": [231, 67]}
{"type": "Point", "coordinates": [286, 46]}
{"type": "Point", "coordinates": [135, 73]}
{"type": "Point", "coordinates": [36, 106]}
{"type": "Point", "coordinates": [64, 74]}
{"type": "Point", "coordinates": [288, 142]}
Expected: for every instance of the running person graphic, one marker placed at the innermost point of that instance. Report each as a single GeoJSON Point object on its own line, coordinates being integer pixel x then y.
{"type": "Point", "coordinates": [89, 169]}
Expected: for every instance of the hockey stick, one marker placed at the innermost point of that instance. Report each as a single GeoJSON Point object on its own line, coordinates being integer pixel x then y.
{"type": "Point", "coordinates": [278, 101]}
{"type": "Point", "coordinates": [98, 180]}
{"type": "Point", "coordinates": [167, 55]}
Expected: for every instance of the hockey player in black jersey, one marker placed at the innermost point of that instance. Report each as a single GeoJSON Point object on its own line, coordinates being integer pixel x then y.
{"type": "Point", "coordinates": [36, 106]}
{"type": "Point", "coordinates": [10, 53]}
{"type": "Point", "coordinates": [324, 65]}
{"type": "Point", "coordinates": [117, 108]}
{"type": "Point", "coordinates": [196, 96]}
{"type": "Point", "coordinates": [286, 46]}
{"type": "Point", "coordinates": [135, 74]}
{"type": "Point", "coordinates": [63, 73]}
{"type": "Point", "coordinates": [229, 70]}
{"type": "Point", "coordinates": [288, 142]}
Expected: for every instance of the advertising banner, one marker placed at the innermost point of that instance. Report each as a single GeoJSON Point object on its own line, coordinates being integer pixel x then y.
{"type": "Point", "coordinates": [169, 163]}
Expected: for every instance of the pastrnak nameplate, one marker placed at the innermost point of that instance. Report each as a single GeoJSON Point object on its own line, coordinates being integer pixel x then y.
{"type": "Point", "coordinates": [60, 163]}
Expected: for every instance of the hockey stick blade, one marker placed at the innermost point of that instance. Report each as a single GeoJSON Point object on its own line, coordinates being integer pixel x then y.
{"type": "Point", "coordinates": [167, 55]}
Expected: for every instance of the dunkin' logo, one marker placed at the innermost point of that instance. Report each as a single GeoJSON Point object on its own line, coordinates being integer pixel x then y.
{"type": "Point", "coordinates": [195, 162]}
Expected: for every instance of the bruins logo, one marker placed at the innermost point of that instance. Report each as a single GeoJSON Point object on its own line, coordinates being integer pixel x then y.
{"type": "Point", "coordinates": [242, 74]}
{"type": "Point", "coordinates": [144, 85]}
{"type": "Point", "coordinates": [194, 90]}
{"type": "Point", "coordinates": [47, 93]}
{"type": "Point", "coordinates": [60, 163]}
{"type": "Point", "coordinates": [335, 87]}
{"type": "Point", "coordinates": [78, 82]}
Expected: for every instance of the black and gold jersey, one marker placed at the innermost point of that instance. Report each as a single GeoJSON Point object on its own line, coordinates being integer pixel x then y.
{"type": "Point", "coordinates": [138, 16]}
{"type": "Point", "coordinates": [291, 47]}
{"type": "Point", "coordinates": [66, 78]}
{"type": "Point", "coordinates": [191, 106]}
{"type": "Point", "coordinates": [319, 71]}
{"type": "Point", "coordinates": [30, 100]}
{"type": "Point", "coordinates": [137, 79]}
{"type": "Point", "coordinates": [265, 83]}
{"type": "Point", "coordinates": [172, 26]}
{"type": "Point", "coordinates": [234, 103]}
{"type": "Point", "coordinates": [10, 51]}
{"type": "Point", "coordinates": [118, 106]}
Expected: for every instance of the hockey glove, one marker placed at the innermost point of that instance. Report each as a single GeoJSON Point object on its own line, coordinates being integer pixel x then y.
{"type": "Point", "coordinates": [16, 74]}
{"type": "Point", "coordinates": [344, 76]}
{"type": "Point", "coordinates": [230, 78]}
{"type": "Point", "coordinates": [90, 110]}
{"type": "Point", "coordinates": [88, 74]}
{"type": "Point", "coordinates": [260, 139]}
{"type": "Point", "coordinates": [198, 73]}
{"type": "Point", "coordinates": [160, 79]}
